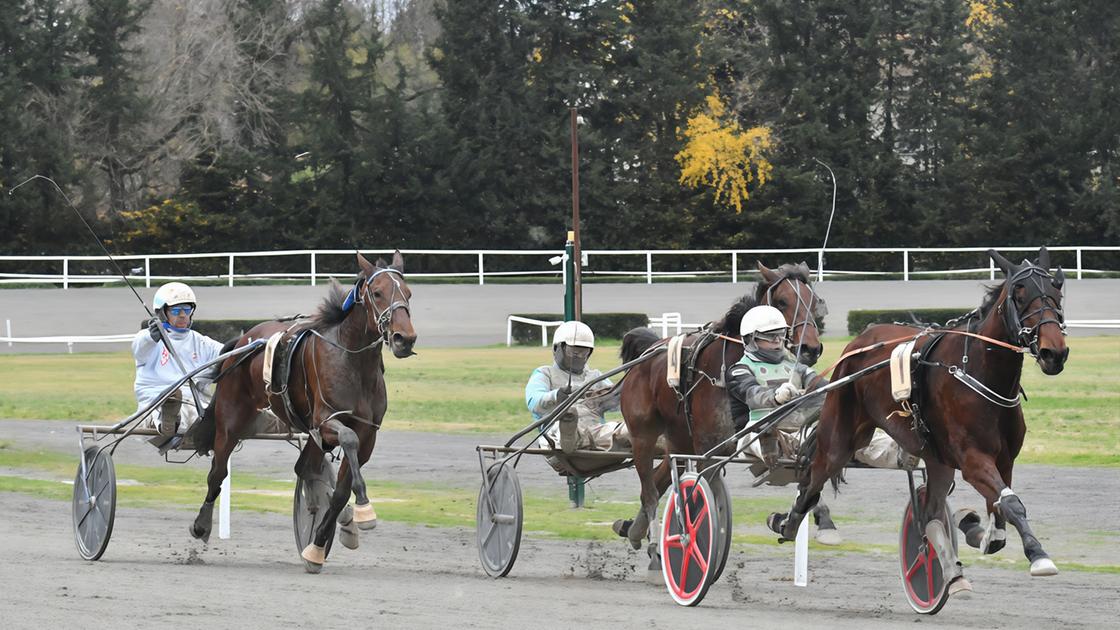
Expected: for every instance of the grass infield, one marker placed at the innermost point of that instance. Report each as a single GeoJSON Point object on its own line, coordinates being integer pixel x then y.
{"type": "Point", "coordinates": [1072, 419]}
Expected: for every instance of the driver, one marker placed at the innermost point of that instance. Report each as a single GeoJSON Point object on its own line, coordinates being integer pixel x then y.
{"type": "Point", "coordinates": [174, 305]}
{"type": "Point", "coordinates": [584, 426]}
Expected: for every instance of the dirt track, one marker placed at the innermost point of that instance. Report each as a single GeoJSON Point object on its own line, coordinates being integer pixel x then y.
{"type": "Point", "coordinates": [408, 576]}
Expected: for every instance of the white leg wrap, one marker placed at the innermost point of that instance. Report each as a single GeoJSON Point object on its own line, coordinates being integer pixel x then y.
{"type": "Point", "coordinates": [939, 538]}
{"type": "Point", "coordinates": [313, 558]}
{"type": "Point", "coordinates": [364, 516]}
{"type": "Point", "coordinates": [1043, 567]}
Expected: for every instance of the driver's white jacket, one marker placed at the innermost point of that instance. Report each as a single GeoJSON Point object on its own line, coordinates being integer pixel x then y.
{"type": "Point", "coordinates": [156, 369]}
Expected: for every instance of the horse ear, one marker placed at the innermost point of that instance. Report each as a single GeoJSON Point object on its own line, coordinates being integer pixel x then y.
{"type": "Point", "coordinates": [769, 276]}
{"type": "Point", "coordinates": [1059, 278]}
{"type": "Point", "coordinates": [804, 268]}
{"type": "Point", "coordinates": [1004, 264]}
{"type": "Point", "coordinates": [1044, 258]}
{"type": "Point", "coordinates": [398, 261]}
{"type": "Point", "coordinates": [365, 265]}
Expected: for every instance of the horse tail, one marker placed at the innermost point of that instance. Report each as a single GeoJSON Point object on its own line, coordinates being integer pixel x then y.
{"type": "Point", "coordinates": [202, 432]}
{"type": "Point", "coordinates": [635, 342]}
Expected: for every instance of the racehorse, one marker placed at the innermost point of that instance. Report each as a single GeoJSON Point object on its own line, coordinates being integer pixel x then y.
{"type": "Point", "coordinates": [336, 392]}
{"type": "Point", "coordinates": [652, 409]}
{"type": "Point", "coordinates": [964, 412]}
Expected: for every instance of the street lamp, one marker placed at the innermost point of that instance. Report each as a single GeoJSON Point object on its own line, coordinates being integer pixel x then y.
{"type": "Point", "coordinates": [820, 266]}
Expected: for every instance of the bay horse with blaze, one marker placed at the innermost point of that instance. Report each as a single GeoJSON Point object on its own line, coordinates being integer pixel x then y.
{"type": "Point", "coordinates": [335, 390]}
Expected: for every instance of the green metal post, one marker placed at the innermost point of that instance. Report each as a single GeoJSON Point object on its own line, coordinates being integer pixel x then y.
{"type": "Point", "coordinates": [575, 484]}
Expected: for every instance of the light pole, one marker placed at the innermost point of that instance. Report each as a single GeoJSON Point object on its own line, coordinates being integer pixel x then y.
{"type": "Point", "coordinates": [820, 263]}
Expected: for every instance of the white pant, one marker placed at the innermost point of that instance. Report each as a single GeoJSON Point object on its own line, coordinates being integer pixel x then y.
{"type": "Point", "coordinates": [188, 414]}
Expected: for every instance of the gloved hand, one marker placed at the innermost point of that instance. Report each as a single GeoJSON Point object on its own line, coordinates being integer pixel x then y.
{"type": "Point", "coordinates": [153, 328]}
{"type": "Point", "coordinates": [787, 392]}
{"type": "Point", "coordinates": [562, 393]}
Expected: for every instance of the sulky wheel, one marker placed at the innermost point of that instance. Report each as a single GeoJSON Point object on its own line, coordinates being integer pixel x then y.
{"type": "Point", "coordinates": [688, 542]}
{"type": "Point", "coordinates": [499, 520]}
{"type": "Point", "coordinates": [920, 569]}
{"type": "Point", "coordinates": [310, 504]}
{"type": "Point", "coordinates": [95, 503]}
{"type": "Point", "coordinates": [723, 524]}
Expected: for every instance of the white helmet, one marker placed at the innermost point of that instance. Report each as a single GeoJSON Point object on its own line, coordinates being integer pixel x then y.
{"type": "Point", "coordinates": [762, 319]}
{"type": "Point", "coordinates": [574, 334]}
{"type": "Point", "coordinates": [171, 294]}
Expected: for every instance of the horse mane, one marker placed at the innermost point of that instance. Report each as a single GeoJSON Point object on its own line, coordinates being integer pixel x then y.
{"type": "Point", "coordinates": [729, 325]}
{"type": "Point", "coordinates": [991, 298]}
{"type": "Point", "coordinates": [330, 311]}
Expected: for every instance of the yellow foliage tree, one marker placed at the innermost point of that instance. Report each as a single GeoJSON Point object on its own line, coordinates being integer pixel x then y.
{"type": "Point", "coordinates": [720, 154]}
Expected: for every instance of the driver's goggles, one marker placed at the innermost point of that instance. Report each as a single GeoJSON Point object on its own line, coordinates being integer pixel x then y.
{"type": "Point", "coordinates": [771, 336]}
{"type": "Point", "coordinates": [184, 309]}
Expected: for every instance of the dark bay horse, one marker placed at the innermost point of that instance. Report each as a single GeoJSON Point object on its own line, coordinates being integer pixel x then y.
{"type": "Point", "coordinates": [336, 388]}
{"type": "Point", "coordinates": [964, 413]}
{"type": "Point", "coordinates": [652, 409]}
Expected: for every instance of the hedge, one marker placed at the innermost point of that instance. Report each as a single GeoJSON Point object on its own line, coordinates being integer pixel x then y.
{"type": "Point", "coordinates": [605, 325]}
{"type": "Point", "coordinates": [858, 320]}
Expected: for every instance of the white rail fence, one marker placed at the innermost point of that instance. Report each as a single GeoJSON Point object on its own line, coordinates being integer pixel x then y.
{"type": "Point", "coordinates": [142, 271]}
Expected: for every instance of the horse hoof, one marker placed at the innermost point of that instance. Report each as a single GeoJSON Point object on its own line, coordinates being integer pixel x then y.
{"type": "Point", "coordinates": [199, 534]}
{"type": "Point", "coordinates": [960, 588]}
{"type": "Point", "coordinates": [313, 558]}
{"type": "Point", "coordinates": [1043, 567]}
{"type": "Point", "coordinates": [829, 536]}
{"type": "Point", "coordinates": [774, 521]}
{"type": "Point", "coordinates": [622, 527]}
{"type": "Point", "coordinates": [348, 536]}
{"type": "Point", "coordinates": [364, 517]}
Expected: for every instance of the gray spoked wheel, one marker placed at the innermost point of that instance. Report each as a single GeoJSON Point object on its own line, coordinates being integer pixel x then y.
{"type": "Point", "coordinates": [722, 535]}
{"type": "Point", "coordinates": [95, 503]}
{"type": "Point", "coordinates": [498, 520]}
{"type": "Point", "coordinates": [310, 504]}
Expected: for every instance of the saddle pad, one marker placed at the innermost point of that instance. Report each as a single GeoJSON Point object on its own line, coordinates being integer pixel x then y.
{"type": "Point", "coordinates": [901, 384]}
{"type": "Point", "coordinates": [673, 361]}
{"type": "Point", "coordinates": [269, 350]}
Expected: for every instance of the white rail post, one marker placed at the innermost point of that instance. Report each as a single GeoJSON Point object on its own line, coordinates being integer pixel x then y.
{"type": "Point", "coordinates": [481, 272]}
{"type": "Point", "coordinates": [905, 266]}
{"type": "Point", "coordinates": [509, 332]}
{"type": "Point", "coordinates": [544, 335]}
{"type": "Point", "coordinates": [734, 267]}
{"type": "Point", "coordinates": [223, 502]}
{"type": "Point", "coordinates": [9, 323]}
{"type": "Point", "coordinates": [65, 273]}
{"type": "Point", "coordinates": [801, 555]}
{"type": "Point", "coordinates": [649, 267]}
{"type": "Point", "coordinates": [991, 268]}
{"type": "Point", "coordinates": [147, 272]}
{"type": "Point", "coordinates": [231, 270]}
{"type": "Point", "coordinates": [1078, 263]}
{"type": "Point", "coordinates": [820, 266]}
{"type": "Point", "coordinates": [312, 268]}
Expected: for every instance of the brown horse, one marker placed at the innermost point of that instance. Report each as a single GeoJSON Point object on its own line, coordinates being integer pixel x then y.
{"type": "Point", "coordinates": [652, 409]}
{"type": "Point", "coordinates": [964, 412]}
{"type": "Point", "coordinates": [336, 391]}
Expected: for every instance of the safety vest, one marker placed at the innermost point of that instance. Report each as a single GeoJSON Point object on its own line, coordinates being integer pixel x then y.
{"type": "Point", "coordinates": [771, 375]}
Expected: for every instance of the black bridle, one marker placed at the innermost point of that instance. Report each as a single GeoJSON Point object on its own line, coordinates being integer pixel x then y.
{"type": "Point", "coordinates": [1032, 276]}
{"type": "Point", "coordinates": [812, 308]}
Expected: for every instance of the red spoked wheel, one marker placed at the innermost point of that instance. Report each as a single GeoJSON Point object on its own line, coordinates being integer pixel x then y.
{"type": "Point", "coordinates": [688, 541]}
{"type": "Point", "coordinates": [922, 579]}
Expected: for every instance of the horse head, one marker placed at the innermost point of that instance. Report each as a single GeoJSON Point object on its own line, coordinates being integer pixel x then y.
{"type": "Point", "coordinates": [384, 294]}
{"type": "Point", "coordinates": [789, 290]}
{"type": "Point", "coordinates": [1031, 299]}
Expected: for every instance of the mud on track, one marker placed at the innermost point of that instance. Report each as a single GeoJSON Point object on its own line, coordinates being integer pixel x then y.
{"type": "Point", "coordinates": [154, 574]}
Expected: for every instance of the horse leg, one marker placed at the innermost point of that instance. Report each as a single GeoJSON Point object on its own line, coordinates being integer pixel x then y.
{"type": "Point", "coordinates": [980, 470]}
{"type": "Point", "coordinates": [827, 534]}
{"type": "Point", "coordinates": [940, 479]}
{"type": "Point", "coordinates": [992, 537]}
{"type": "Point", "coordinates": [643, 464]}
{"type": "Point", "coordinates": [224, 442]}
